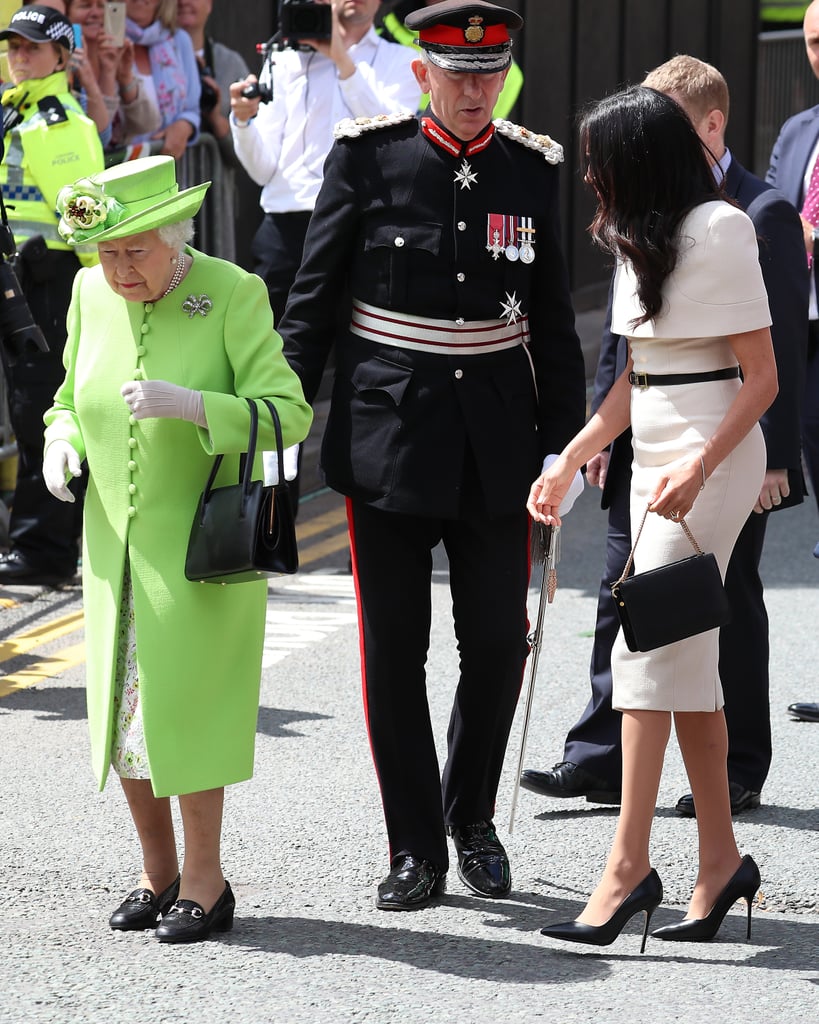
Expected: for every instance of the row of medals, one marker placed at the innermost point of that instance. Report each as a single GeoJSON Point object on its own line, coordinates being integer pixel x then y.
{"type": "Point", "coordinates": [525, 252]}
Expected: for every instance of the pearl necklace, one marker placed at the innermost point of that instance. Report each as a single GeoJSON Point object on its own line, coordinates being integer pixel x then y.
{"type": "Point", "coordinates": [178, 274]}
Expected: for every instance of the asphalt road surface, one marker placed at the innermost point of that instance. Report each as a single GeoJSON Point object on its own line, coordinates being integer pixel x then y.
{"type": "Point", "coordinates": [305, 844]}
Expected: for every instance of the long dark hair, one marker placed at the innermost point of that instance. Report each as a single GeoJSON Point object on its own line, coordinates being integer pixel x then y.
{"type": "Point", "coordinates": [648, 167]}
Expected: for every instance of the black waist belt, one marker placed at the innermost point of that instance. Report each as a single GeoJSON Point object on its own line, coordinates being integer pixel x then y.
{"type": "Point", "coordinates": [647, 380]}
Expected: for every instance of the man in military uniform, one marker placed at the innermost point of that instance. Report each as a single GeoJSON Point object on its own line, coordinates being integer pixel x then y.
{"type": "Point", "coordinates": [460, 370]}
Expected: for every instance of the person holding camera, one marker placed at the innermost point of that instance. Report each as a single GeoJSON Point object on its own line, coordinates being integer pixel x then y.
{"type": "Point", "coordinates": [283, 144]}
{"type": "Point", "coordinates": [45, 131]}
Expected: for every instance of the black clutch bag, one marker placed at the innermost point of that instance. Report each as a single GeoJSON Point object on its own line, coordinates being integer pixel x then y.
{"type": "Point", "coordinates": [245, 531]}
{"type": "Point", "coordinates": [671, 602]}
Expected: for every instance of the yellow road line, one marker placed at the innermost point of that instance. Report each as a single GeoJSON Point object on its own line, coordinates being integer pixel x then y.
{"type": "Point", "coordinates": [44, 634]}
{"type": "Point", "coordinates": [313, 552]}
{"type": "Point", "coordinates": [40, 671]}
{"type": "Point", "coordinates": [326, 521]}
{"type": "Point", "coordinates": [53, 665]}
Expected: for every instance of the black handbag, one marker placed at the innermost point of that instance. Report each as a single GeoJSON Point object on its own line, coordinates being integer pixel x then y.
{"type": "Point", "coordinates": [671, 602]}
{"type": "Point", "coordinates": [244, 531]}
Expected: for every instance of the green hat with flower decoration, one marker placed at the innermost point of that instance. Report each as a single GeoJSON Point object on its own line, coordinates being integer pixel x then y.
{"type": "Point", "coordinates": [127, 199]}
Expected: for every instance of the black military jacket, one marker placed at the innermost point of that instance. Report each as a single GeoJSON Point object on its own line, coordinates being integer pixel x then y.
{"type": "Point", "coordinates": [403, 223]}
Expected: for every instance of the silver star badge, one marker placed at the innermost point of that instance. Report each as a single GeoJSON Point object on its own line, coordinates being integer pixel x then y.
{"type": "Point", "coordinates": [511, 308]}
{"type": "Point", "coordinates": [193, 305]}
{"type": "Point", "coordinates": [466, 177]}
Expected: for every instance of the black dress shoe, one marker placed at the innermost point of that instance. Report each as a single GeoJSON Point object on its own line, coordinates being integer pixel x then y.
{"type": "Point", "coordinates": [742, 799]}
{"type": "Point", "coordinates": [482, 862]}
{"type": "Point", "coordinates": [141, 908]}
{"type": "Point", "coordinates": [187, 921]}
{"type": "Point", "coordinates": [410, 885]}
{"type": "Point", "coordinates": [805, 712]}
{"type": "Point", "coordinates": [570, 780]}
{"type": "Point", "coordinates": [16, 569]}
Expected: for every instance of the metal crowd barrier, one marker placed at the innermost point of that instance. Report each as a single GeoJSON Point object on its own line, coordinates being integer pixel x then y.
{"type": "Point", "coordinates": [216, 220]}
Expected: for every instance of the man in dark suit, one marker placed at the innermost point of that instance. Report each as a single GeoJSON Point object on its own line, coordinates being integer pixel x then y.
{"type": "Point", "coordinates": [459, 371]}
{"type": "Point", "coordinates": [794, 170]}
{"type": "Point", "coordinates": [591, 765]}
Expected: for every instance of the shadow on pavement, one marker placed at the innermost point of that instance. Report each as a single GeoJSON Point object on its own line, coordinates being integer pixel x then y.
{"type": "Point", "coordinates": [57, 703]}
{"type": "Point", "coordinates": [775, 945]}
{"type": "Point", "coordinates": [276, 721]}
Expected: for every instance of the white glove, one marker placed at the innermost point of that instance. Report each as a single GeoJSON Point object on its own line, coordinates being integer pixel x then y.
{"type": "Point", "coordinates": [157, 399]}
{"type": "Point", "coordinates": [270, 461]}
{"type": "Point", "coordinates": [60, 463]}
{"type": "Point", "coordinates": [574, 491]}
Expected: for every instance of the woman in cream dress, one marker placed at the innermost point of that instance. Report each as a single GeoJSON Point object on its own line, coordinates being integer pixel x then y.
{"type": "Point", "coordinates": [689, 296]}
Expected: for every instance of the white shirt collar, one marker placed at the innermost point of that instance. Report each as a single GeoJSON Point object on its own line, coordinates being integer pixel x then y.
{"type": "Point", "coordinates": [720, 168]}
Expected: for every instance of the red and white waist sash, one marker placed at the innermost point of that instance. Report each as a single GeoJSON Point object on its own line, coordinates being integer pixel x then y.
{"type": "Point", "coordinates": [444, 337]}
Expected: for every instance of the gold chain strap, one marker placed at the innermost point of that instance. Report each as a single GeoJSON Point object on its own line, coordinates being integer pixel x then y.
{"type": "Point", "coordinates": [630, 559]}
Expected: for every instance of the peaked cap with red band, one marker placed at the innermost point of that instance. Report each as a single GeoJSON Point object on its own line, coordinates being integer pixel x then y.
{"type": "Point", "coordinates": [461, 36]}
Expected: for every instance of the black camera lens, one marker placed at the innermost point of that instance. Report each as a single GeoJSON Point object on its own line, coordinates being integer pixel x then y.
{"type": "Point", "coordinates": [20, 334]}
{"type": "Point", "coordinates": [208, 96]}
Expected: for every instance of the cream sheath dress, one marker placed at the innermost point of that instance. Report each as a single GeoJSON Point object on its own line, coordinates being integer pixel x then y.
{"type": "Point", "coordinates": [715, 291]}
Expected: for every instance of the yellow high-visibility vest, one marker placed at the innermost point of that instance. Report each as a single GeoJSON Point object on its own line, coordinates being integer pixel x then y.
{"type": "Point", "coordinates": [52, 146]}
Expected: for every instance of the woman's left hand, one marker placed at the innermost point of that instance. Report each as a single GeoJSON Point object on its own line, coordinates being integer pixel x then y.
{"type": "Point", "coordinates": [158, 399]}
{"type": "Point", "coordinates": [549, 490]}
{"type": "Point", "coordinates": [677, 491]}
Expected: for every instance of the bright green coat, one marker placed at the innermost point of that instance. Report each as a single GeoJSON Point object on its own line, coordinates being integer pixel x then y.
{"type": "Point", "coordinates": [199, 646]}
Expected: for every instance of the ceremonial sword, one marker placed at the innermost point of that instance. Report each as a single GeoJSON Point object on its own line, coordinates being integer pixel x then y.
{"type": "Point", "coordinates": [545, 551]}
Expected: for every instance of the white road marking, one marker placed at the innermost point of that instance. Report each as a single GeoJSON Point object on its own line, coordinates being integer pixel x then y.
{"type": "Point", "coordinates": [304, 611]}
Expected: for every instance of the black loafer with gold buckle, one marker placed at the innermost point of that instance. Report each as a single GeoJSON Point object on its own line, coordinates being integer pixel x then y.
{"type": "Point", "coordinates": [141, 908]}
{"type": "Point", "coordinates": [187, 921]}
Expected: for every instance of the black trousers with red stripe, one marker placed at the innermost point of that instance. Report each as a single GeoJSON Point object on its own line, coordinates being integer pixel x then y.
{"type": "Point", "coordinates": [488, 576]}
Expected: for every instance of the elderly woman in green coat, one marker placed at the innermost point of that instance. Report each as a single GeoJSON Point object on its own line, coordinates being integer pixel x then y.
{"type": "Point", "coordinates": [164, 346]}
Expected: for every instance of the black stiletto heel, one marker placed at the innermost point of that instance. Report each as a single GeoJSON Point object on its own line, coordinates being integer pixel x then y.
{"type": "Point", "coordinates": [646, 898]}
{"type": "Point", "coordinates": [743, 884]}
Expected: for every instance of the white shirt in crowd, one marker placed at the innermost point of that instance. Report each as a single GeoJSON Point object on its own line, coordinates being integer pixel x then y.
{"type": "Point", "coordinates": [284, 147]}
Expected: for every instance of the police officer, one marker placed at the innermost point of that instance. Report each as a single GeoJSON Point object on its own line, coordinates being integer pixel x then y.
{"type": "Point", "coordinates": [459, 371]}
{"type": "Point", "coordinates": [52, 143]}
